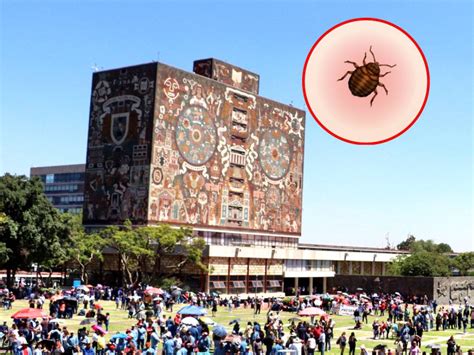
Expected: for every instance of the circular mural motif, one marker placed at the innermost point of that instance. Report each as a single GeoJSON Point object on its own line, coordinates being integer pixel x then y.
{"type": "Point", "coordinates": [196, 135]}
{"type": "Point", "coordinates": [274, 153]}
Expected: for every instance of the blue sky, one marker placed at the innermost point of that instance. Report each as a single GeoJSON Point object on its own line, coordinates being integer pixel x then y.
{"type": "Point", "coordinates": [419, 183]}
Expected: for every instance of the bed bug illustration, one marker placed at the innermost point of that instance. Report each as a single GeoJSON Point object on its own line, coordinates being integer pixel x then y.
{"type": "Point", "coordinates": [364, 79]}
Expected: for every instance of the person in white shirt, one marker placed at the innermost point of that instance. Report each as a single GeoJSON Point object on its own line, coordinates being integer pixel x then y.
{"type": "Point", "coordinates": [296, 346]}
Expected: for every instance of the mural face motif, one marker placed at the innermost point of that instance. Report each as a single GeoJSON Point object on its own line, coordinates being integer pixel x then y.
{"type": "Point", "coordinates": [274, 154]}
{"type": "Point", "coordinates": [227, 158]}
{"type": "Point", "coordinates": [195, 135]}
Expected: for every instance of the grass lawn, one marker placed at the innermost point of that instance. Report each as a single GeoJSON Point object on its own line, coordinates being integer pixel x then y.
{"type": "Point", "coordinates": [120, 322]}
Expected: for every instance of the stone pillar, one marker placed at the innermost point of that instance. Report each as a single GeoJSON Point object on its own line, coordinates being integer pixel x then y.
{"type": "Point", "coordinates": [310, 285]}
{"type": "Point", "coordinates": [324, 284]}
{"type": "Point", "coordinates": [373, 267]}
{"type": "Point", "coordinates": [350, 267]}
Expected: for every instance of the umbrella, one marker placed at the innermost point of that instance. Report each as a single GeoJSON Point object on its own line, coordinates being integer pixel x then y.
{"type": "Point", "coordinates": [30, 313]}
{"type": "Point", "coordinates": [359, 289]}
{"type": "Point", "coordinates": [192, 311]}
{"type": "Point", "coordinates": [157, 298]}
{"type": "Point", "coordinates": [364, 296]}
{"type": "Point", "coordinates": [233, 338]}
{"type": "Point", "coordinates": [83, 288]}
{"type": "Point", "coordinates": [56, 320]}
{"type": "Point", "coordinates": [294, 319]}
{"type": "Point", "coordinates": [312, 311]}
{"type": "Point", "coordinates": [118, 336]}
{"type": "Point", "coordinates": [98, 329]}
{"type": "Point", "coordinates": [375, 295]}
{"type": "Point", "coordinates": [176, 288]}
{"type": "Point", "coordinates": [154, 291]}
{"type": "Point", "coordinates": [190, 321]}
{"type": "Point", "coordinates": [345, 294]}
{"type": "Point", "coordinates": [87, 321]}
{"type": "Point", "coordinates": [98, 306]}
{"type": "Point", "coordinates": [318, 302]}
{"type": "Point", "coordinates": [47, 343]}
{"type": "Point", "coordinates": [237, 320]}
{"type": "Point", "coordinates": [219, 331]}
{"type": "Point", "coordinates": [207, 320]}
{"type": "Point", "coordinates": [398, 294]}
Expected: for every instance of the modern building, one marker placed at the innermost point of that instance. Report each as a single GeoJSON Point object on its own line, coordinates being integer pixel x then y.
{"type": "Point", "coordinates": [204, 150]}
{"type": "Point", "coordinates": [63, 185]}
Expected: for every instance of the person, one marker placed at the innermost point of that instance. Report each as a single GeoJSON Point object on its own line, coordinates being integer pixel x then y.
{"type": "Point", "coordinates": [352, 344]}
{"type": "Point", "coordinates": [168, 346]}
{"type": "Point", "coordinates": [322, 342]}
{"type": "Point", "coordinates": [414, 350]}
{"type": "Point", "coordinates": [204, 344]}
{"type": "Point", "coordinates": [451, 345]}
{"type": "Point", "coordinates": [341, 341]}
{"type": "Point", "coordinates": [311, 344]}
{"type": "Point", "coordinates": [214, 307]}
{"type": "Point", "coordinates": [363, 350]}
{"type": "Point", "coordinates": [297, 347]}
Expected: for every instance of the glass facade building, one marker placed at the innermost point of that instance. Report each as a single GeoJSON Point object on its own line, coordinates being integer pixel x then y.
{"type": "Point", "coordinates": [63, 185]}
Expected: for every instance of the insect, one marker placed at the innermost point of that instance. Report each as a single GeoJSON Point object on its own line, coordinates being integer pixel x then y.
{"type": "Point", "coordinates": [365, 79]}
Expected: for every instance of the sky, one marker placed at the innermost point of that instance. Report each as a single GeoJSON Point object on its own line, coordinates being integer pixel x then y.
{"type": "Point", "coordinates": [420, 183]}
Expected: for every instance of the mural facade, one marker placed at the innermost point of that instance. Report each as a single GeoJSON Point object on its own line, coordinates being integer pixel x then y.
{"type": "Point", "coordinates": [119, 145]}
{"type": "Point", "coordinates": [224, 158]}
{"type": "Point", "coordinates": [204, 150]}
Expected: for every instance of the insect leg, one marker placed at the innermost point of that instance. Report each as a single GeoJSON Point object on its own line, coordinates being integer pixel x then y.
{"type": "Point", "coordinates": [381, 76]}
{"type": "Point", "coordinates": [353, 63]}
{"type": "Point", "coordinates": [382, 85]}
{"type": "Point", "coordinates": [349, 72]}
{"type": "Point", "coordinates": [387, 65]}
{"type": "Point", "coordinates": [373, 97]}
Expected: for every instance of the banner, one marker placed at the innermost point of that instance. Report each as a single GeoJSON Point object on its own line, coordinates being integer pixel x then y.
{"type": "Point", "coordinates": [345, 310]}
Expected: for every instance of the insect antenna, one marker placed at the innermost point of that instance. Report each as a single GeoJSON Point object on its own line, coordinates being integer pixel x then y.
{"type": "Point", "coordinates": [373, 55]}
{"type": "Point", "coordinates": [387, 65]}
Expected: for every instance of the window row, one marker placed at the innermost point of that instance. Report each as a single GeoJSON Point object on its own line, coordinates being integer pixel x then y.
{"type": "Point", "coordinates": [66, 187]}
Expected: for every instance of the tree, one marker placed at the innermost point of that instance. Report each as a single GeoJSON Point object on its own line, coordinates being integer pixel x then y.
{"type": "Point", "coordinates": [425, 264]}
{"type": "Point", "coordinates": [85, 247]}
{"type": "Point", "coordinates": [464, 262]}
{"type": "Point", "coordinates": [31, 228]}
{"type": "Point", "coordinates": [142, 249]}
{"type": "Point", "coordinates": [407, 243]}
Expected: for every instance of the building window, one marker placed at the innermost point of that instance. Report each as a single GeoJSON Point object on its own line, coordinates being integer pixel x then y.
{"type": "Point", "coordinates": [49, 178]}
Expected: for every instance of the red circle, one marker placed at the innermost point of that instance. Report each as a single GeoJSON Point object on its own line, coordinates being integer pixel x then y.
{"type": "Point", "coordinates": [427, 83]}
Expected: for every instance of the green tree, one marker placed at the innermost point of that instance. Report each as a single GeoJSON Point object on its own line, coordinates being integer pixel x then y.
{"type": "Point", "coordinates": [407, 243]}
{"type": "Point", "coordinates": [424, 263]}
{"type": "Point", "coordinates": [142, 249]}
{"type": "Point", "coordinates": [32, 229]}
{"type": "Point", "coordinates": [85, 247]}
{"type": "Point", "coordinates": [464, 262]}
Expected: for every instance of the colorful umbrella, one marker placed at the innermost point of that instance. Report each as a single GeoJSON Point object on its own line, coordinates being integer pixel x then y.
{"type": "Point", "coordinates": [30, 313]}
{"type": "Point", "coordinates": [190, 321]}
{"type": "Point", "coordinates": [99, 329]}
{"type": "Point", "coordinates": [311, 312]}
{"type": "Point", "coordinates": [154, 291]}
{"type": "Point", "coordinates": [192, 311]}
{"type": "Point", "coordinates": [219, 331]}
{"type": "Point", "coordinates": [87, 321]}
{"type": "Point", "coordinates": [207, 320]}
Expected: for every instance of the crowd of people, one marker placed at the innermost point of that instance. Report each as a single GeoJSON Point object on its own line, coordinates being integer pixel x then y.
{"type": "Point", "coordinates": [158, 329]}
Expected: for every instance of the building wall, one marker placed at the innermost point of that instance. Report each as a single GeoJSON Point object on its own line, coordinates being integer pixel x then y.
{"type": "Point", "coordinates": [119, 145]}
{"type": "Point", "coordinates": [63, 185]}
{"type": "Point", "coordinates": [224, 158]}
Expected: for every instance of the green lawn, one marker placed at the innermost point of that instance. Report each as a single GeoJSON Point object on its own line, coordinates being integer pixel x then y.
{"type": "Point", "coordinates": [120, 322]}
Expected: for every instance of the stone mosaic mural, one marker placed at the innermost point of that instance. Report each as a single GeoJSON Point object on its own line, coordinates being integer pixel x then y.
{"type": "Point", "coordinates": [224, 158]}
{"type": "Point", "coordinates": [118, 154]}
